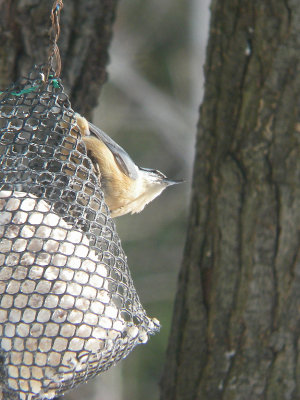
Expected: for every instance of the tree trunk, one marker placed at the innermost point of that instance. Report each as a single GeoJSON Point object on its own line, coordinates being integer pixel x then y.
{"type": "Point", "coordinates": [86, 29]}
{"type": "Point", "coordinates": [236, 324]}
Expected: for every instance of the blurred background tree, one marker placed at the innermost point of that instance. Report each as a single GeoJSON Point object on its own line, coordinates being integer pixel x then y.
{"type": "Point", "coordinates": [150, 106]}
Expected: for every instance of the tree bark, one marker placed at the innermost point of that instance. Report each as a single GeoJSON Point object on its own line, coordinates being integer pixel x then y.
{"type": "Point", "coordinates": [236, 325]}
{"type": "Point", "coordinates": [86, 30]}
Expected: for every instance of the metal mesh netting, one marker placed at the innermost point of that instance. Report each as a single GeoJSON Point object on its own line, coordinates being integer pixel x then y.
{"type": "Point", "coordinates": [68, 307]}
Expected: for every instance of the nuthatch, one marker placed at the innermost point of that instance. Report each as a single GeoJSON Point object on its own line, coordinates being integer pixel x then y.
{"type": "Point", "coordinates": [127, 188]}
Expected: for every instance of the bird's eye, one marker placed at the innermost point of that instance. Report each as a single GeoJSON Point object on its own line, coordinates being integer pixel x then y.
{"type": "Point", "coordinates": [155, 172]}
{"type": "Point", "coordinates": [160, 174]}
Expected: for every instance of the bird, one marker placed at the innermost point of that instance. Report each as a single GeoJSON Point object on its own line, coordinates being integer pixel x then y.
{"type": "Point", "coordinates": [127, 188]}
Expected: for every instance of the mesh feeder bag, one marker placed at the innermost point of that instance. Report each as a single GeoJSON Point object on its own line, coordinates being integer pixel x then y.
{"type": "Point", "coordinates": [68, 307]}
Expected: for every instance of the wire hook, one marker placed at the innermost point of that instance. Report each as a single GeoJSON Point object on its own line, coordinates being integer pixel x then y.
{"type": "Point", "coordinates": [54, 60]}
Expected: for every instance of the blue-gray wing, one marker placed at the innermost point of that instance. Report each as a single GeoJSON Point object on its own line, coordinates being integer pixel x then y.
{"type": "Point", "coordinates": [125, 163]}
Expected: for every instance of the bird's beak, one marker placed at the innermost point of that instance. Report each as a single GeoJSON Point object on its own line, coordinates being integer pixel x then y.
{"type": "Point", "coordinates": [169, 182]}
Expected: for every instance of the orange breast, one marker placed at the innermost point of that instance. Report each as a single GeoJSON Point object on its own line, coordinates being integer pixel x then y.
{"type": "Point", "coordinates": [117, 186]}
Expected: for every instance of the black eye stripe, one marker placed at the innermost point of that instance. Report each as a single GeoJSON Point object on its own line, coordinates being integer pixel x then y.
{"type": "Point", "coordinates": [155, 172]}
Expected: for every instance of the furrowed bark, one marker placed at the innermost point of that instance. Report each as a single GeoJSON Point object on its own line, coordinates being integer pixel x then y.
{"type": "Point", "coordinates": [86, 31]}
{"type": "Point", "coordinates": [235, 329]}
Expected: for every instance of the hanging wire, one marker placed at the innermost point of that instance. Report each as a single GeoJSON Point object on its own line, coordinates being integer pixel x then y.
{"type": "Point", "coordinates": [54, 60]}
{"type": "Point", "coordinates": [52, 69]}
